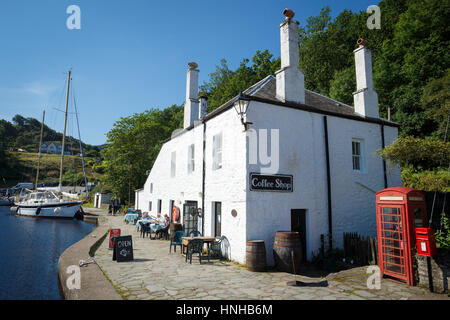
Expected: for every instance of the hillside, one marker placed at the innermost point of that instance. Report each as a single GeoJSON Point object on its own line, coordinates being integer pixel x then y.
{"type": "Point", "coordinates": [24, 133]}
{"type": "Point", "coordinates": [23, 169]}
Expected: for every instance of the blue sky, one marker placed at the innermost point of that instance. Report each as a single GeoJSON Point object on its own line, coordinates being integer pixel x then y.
{"type": "Point", "coordinates": [129, 56]}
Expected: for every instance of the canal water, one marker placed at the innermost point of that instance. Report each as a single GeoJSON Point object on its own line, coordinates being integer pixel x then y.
{"type": "Point", "coordinates": [30, 249]}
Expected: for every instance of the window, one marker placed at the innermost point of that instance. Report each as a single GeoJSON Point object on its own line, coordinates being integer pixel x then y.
{"type": "Point", "coordinates": [357, 155]}
{"type": "Point", "coordinates": [159, 206]}
{"type": "Point", "coordinates": [149, 206]}
{"type": "Point", "coordinates": [151, 187]}
{"type": "Point", "coordinates": [191, 161]}
{"type": "Point", "coordinates": [217, 151]}
{"type": "Point", "coordinates": [173, 164]}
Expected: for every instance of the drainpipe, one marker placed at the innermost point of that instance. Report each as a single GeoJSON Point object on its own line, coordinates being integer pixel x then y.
{"type": "Point", "coordinates": [327, 155]}
{"type": "Point", "coordinates": [203, 177]}
{"type": "Point", "coordinates": [384, 161]}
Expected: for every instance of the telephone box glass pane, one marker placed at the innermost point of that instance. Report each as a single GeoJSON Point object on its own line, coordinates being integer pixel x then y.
{"type": "Point", "coordinates": [392, 240]}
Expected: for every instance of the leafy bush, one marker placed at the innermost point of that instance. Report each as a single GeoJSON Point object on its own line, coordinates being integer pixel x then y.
{"type": "Point", "coordinates": [429, 180]}
{"type": "Point", "coordinates": [443, 236]}
{"type": "Point", "coordinates": [417, 152]}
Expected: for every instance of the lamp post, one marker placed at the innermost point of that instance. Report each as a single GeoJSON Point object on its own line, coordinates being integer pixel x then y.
{"type": "Point", "coordinates": [241, 108]}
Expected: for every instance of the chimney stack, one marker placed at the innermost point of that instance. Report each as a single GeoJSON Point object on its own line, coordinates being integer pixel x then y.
{"type": "Point", "coordinates": [203, 106]}
{"type": "Point", "coordinates": [290, 82]}
{"type": "Point", "coordinates": [365, 98]}
{"type": "Point", "coordinates": [191, 105]}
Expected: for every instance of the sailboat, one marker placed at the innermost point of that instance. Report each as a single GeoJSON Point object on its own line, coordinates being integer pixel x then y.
{"type": "Point", "coordinates": [47, 203]}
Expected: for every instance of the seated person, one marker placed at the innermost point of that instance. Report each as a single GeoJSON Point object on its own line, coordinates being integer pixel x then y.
{"type": "Point", "coordinates": [146, 216]}
{"type": "Point", "coordinates": [159, 219]}
{"type": "Point", "coordinates": [165, 228]}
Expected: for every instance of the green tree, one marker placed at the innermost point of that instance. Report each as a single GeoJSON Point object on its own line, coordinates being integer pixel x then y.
{"type": "Point", "coordinates": [224, 84]}
{"type": "Point", "coordinates": [343, 85]}
{"type": "Point", "coordinates": [417, 52]}
{"type": "Point", "coordinates": [133, 145]}
{"type": "Point", "coordinates": [436, 101]}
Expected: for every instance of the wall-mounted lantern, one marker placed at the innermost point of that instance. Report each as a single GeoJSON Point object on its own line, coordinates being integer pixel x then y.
{"type": "Point", "coordinates": [241, 107]}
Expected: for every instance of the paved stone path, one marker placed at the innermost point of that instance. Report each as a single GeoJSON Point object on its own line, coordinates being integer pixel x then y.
{"type": "Point", "coordinates": [156, 274]}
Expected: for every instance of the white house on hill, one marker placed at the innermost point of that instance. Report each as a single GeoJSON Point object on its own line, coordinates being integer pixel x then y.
{"type": "Point", "coordinates": [277, 157]}
{"type": "Point", "coordinates": [54, 147]}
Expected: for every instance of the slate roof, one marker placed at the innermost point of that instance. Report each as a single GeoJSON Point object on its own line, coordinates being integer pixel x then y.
{"type": "Point", "coordinates": [265, 91]}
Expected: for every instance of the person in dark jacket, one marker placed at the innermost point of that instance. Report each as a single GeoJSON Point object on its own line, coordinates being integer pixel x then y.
{"type": "Point", "coordinates": [116, 205]}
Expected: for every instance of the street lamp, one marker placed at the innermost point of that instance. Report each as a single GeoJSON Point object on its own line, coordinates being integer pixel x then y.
{"type": "Point", "coordinates": [241, 108]}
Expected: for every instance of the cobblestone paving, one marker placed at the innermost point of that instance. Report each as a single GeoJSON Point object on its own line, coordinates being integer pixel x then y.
{"type": "Point", "coordinates": [156, 274]}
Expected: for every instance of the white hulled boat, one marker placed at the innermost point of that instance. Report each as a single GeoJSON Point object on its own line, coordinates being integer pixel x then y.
{"type": "Point", "coordinates": [46, 203]}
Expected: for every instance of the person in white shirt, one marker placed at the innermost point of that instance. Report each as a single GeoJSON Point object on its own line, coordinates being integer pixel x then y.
{"type": "Point", "coordinates": [159, 219]}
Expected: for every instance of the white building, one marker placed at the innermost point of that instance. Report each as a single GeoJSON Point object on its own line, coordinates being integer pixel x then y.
{"type": "Point", "coordinates": [327, 170]}
{"type": "Point", "coordinates": [55, 148]}
{"type": "Point", "coordinates": [102, 200]}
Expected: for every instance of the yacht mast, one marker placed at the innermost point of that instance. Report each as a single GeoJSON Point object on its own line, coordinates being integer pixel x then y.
{"type": "Point", "coordinates": [64, 133]}
{"type": "Point", "coordinates": [39, 153]}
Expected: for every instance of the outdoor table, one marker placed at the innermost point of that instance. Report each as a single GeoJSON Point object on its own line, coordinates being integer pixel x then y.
{"type": "Point", "coordinates": [155, 227]}
{"type": "Point", "coordinates": [185, 241]}
{"type": "Point", "coordinates": [140, 222]}
{"type": "Point", "coordinates": [130, 217]}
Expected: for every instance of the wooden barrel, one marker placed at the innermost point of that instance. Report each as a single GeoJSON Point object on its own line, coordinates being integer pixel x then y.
{"type": "Point", "coordinates": [284, 245]}
{"type": "Point", "coordinates": [256, 255]}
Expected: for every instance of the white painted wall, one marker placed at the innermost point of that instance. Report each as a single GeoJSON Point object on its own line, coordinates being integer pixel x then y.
{"type": "Point", "coordinates": [302, 154]}
{"type": "Point", "coordinates": [225, 185]}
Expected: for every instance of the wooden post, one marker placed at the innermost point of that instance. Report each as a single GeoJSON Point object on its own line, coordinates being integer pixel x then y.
{"type": "Point", "coordinates": [389, 113]}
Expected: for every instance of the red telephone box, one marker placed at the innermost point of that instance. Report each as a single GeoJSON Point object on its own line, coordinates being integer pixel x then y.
{"type": "Point", "coordinates": [399, 211]}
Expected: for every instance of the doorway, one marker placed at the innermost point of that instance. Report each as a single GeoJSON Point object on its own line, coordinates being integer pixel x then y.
{"type": "Point", "coordinates": [217, 219]}
{"type": "Point", "coordinates": [190, 216]}
{"type": "Point", "coordinates": [171, 204]}
{"type": "Point", "coordinates": [298, 224]}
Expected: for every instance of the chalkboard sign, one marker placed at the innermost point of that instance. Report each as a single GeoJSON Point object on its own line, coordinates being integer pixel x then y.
{"type": "Point", "coordinates": [123, 249]}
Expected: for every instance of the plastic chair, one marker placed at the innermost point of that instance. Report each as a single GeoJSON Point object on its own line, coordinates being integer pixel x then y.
{"type": "Point", "coordinates": [216, 247]}
{"type": "Point", "coordinates": [163, 233]}
{"type": "Point", "coordinates": [195, 246]}
{"type": "Point", "coordinates": [176, 240]}
{"type": "Point", "coordinates": [145, 229]}
{"type": "Point", "coordinates": [195, 233]}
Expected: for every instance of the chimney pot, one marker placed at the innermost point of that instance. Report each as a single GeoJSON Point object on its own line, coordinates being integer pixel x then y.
{"type": "Point", "coordinates": [193, 65]}
{"type": "Point", "coordinates": [362, 42]}
{"type": "Point", "coordinates": [288, 13]}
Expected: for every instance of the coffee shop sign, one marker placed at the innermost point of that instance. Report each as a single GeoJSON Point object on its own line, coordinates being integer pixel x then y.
{"type": "Point", "coordinates": [279, 183]}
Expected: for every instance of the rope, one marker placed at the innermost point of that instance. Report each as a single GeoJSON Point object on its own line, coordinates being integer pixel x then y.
{"type": "Point", "coordinates": [81, 144]}
{"type": "Point", "coordinates": [82, 263]}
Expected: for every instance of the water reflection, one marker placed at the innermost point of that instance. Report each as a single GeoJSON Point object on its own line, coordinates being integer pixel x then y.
{"type": "Point", "coordinates": [30, 251]}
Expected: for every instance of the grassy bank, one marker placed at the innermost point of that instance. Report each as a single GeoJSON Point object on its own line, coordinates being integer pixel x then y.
{"type": "Point", "coordinates": [26, 165]}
